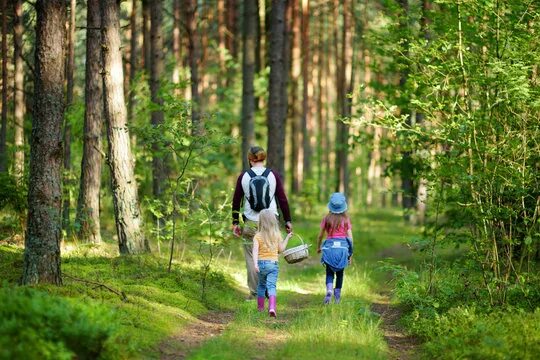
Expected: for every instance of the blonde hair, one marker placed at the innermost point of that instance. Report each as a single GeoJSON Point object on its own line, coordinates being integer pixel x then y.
{"type": "Point", "coordinates": [269, 229]}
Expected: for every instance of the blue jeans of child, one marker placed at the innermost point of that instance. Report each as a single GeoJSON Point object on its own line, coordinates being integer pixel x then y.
{"type": "Point", "coordinates": [268, 274]}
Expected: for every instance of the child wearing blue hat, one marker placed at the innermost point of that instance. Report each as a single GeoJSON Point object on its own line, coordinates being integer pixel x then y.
{"type": "Point", "coordinates": [337, 249]}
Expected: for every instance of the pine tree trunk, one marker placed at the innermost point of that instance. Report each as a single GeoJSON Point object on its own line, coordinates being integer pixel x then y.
{"type": "Point", "coordinates": [344, 86]}
{"type": "Point", "coordinates": [88, 205]}
{"type": "Point", "coordinates": [222, 37]}
{"type": "Point", "coordinates": [3, 129]}
{"type": "Point", "coordinates": [124, 186]}
{"type": "Point", "coordinates": [306, 95]}
{"type": "Point", "coordinates": [295, 136]}
{"type": "Point", "coordinates": [194, 55]}
{"type": "Point", "coordinates": [248, 74]}
{"type": "Point", "coordinates": [146, 34]}
{"type": "Point", "coordinates": [177, 43]}
{"type": "Point", "coordinates": [159, 176]}
{"type": "Point", "coordinates": [67, 127]}
{"type": "Point", "coordinates": [277, 95]}
{"type": "Point", "coordinates": [133, 52]}
{"type": "Point", "coordinates": [42, 243]}
{"type": "Point", "coordinates": [407, 185]}
{"type": "Point", "coordinates": [232, 20]}
{"type": "Point", "coordinates": [18, 93]}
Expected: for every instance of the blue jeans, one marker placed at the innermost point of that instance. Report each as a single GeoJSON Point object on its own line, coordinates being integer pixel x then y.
{"type": "Point", "coordinates": [268, 274]}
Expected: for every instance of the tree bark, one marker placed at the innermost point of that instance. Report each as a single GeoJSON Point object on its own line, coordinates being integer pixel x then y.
{"type": "Point", "coordinates": [133, 52]}
{"type": "Point", "coordinates": [277, 94]}
{"type": "Point", "coordinates": [159, 175]}
{"type": "Point", "coordinates": [146, 34]}
{"type": "Point", "coordinates": [67, 127]}
{"type": "Point", "coordinates": [177, 43]}
{"type": "Point", "coordinates": [3, 129]}
{"type": "Point", "coordinates": [344, 104]}
{"type": "Point", "coordinates": [18, 92]}
{"type": "Point", "coordinates": [232, 20]}
{"type": "Point", "coordinates": [88, 208]}
{"type": "Point", "coordinates": [197, 125]}
{"type": "Point", "coordinates": [307, 126]}
{"type": "Point", "coordinates": [248, 74]}
{"type": "Point", "coordinates": [42, 243]}
{"type": "Point", "coordinates": [124, 186]}
{"type": "Point", "coordinates": [407, 171]}
{"type": "Point", "coordinates": [296, 133]}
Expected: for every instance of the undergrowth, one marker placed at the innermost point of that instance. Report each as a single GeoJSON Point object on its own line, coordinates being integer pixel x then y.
{"type": "Point", "coordinates": [455, 319]}
{"type": "Point", "coordinates": [89, 318]}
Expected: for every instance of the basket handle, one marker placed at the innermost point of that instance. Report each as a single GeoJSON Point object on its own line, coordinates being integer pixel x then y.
{"type": "Point", "coordinates": [302, 240]}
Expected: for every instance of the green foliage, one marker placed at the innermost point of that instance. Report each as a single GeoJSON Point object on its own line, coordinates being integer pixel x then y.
{"type": "Point", "coordinates": [34, 324]}
{"type": "Point", "coordinates": [158, 303]}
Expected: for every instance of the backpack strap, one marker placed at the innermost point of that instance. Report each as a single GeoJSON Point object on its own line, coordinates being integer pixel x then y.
{"type": "Point", "coordinates": [266, 172]}
{"type": "Point", "coordinates": [251, 173]}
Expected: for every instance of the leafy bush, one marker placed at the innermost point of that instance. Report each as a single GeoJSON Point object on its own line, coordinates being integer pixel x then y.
{"type": "Point", "coordinates": [36, 325]}
{"type": "Point", "coordinates": [465, 333]}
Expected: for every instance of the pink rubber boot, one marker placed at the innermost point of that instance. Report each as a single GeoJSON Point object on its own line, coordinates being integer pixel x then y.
{"type": "Point", "coordinates": [260, 303]}
{"type": "Point", "coordinates": [272, 306]}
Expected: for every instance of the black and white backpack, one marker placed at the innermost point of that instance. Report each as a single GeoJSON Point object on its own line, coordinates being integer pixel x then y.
{"type": "Point", "coordinates": [259, 190]}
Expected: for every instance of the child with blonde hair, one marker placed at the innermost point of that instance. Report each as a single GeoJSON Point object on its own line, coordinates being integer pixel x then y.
{"type": "Point", "coordinates": [267, 243]}
{"type": "Point", "coordinates": [337, 249]}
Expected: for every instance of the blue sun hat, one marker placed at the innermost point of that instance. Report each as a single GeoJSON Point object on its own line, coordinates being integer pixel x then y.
{"type": "Point", "coordinates": [337, 203]}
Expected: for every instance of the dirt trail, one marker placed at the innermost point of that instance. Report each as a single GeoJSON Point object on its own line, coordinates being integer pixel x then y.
{"type": "Point", "coordinates": [194, 334]}
{"type": "Point", "coordinates": [402, 346]}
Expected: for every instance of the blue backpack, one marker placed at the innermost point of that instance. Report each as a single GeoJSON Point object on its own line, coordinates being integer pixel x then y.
{"type": "Point", "coordinates": [259, 190]}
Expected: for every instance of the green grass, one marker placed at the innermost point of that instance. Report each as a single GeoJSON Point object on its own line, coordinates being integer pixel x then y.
{"type": "Point", "coordinates": [160, 304]}
{"type": "Point", "coordinates": [305, 328]}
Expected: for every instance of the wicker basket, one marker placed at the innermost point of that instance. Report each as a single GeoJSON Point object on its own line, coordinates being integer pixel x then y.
{"type": "Point", "coordinates": [297, 253]}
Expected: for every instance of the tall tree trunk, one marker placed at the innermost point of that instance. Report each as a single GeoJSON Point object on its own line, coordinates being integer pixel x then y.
{"type": "Point", "coordinates": [295, 136]}
{"type": "Point", "coordinates": [67, 127]}
{"type": "Point", "coordinates": [42, 243]}
{"type": "Point", "coordinates": [194, 55]}
{"type": "Point", "coordinates": [156, 72]}
{"type": "Point", "coordinates": [3, 129]}
{"type": "Point", "coordinates": [232, 20]}
{"type": "Point", "coordinates": [18, 97]}
{"type": "Point", "coordinates": [407, 171]}
{"type": "Point", "coordinates": [248, 74]}
{"type": "Point", "coordinates": [222, 38]}
{"type": "Point", "coordinates": [344, 86]}
{"type": "Point", "coordinates": [88, 208]}
{"type": "Point", "coordinates": [277, 94]}
{"type": "Point", "coordinates": [124, 186]}
{"type": "Point", "coordinates": [177, 43]}
{"type": "Point", "coordinates": [146, 34]}
{"type": "Point", "coordinates": [307, 90]}
{"type": "Point", "coordinates": [132, 58]}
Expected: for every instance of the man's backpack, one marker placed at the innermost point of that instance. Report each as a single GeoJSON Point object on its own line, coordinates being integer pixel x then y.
{"type": "Point", "coordinates": [259, 190]}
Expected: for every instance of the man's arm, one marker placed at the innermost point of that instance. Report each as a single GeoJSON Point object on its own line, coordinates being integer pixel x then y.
{"type": "Point", "coordinates": [282, 202]}
{"type": "Point", "coordinates": [237, 200]}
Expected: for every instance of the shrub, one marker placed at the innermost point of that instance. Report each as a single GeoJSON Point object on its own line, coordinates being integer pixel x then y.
{"type": "Point", "coordinates": [36, 325]}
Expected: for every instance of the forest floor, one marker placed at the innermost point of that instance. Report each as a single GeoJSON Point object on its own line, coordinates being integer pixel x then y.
{"type": "Point", "coordinates": [364, 326]}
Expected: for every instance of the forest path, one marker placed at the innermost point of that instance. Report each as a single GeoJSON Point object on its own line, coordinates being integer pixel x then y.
{"type": "Point", "coordinates": [401, 346]}
{"type": "Point", "coordinates": [194, 335]}
{"type": "Point", "coordinates": [304, 327]}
